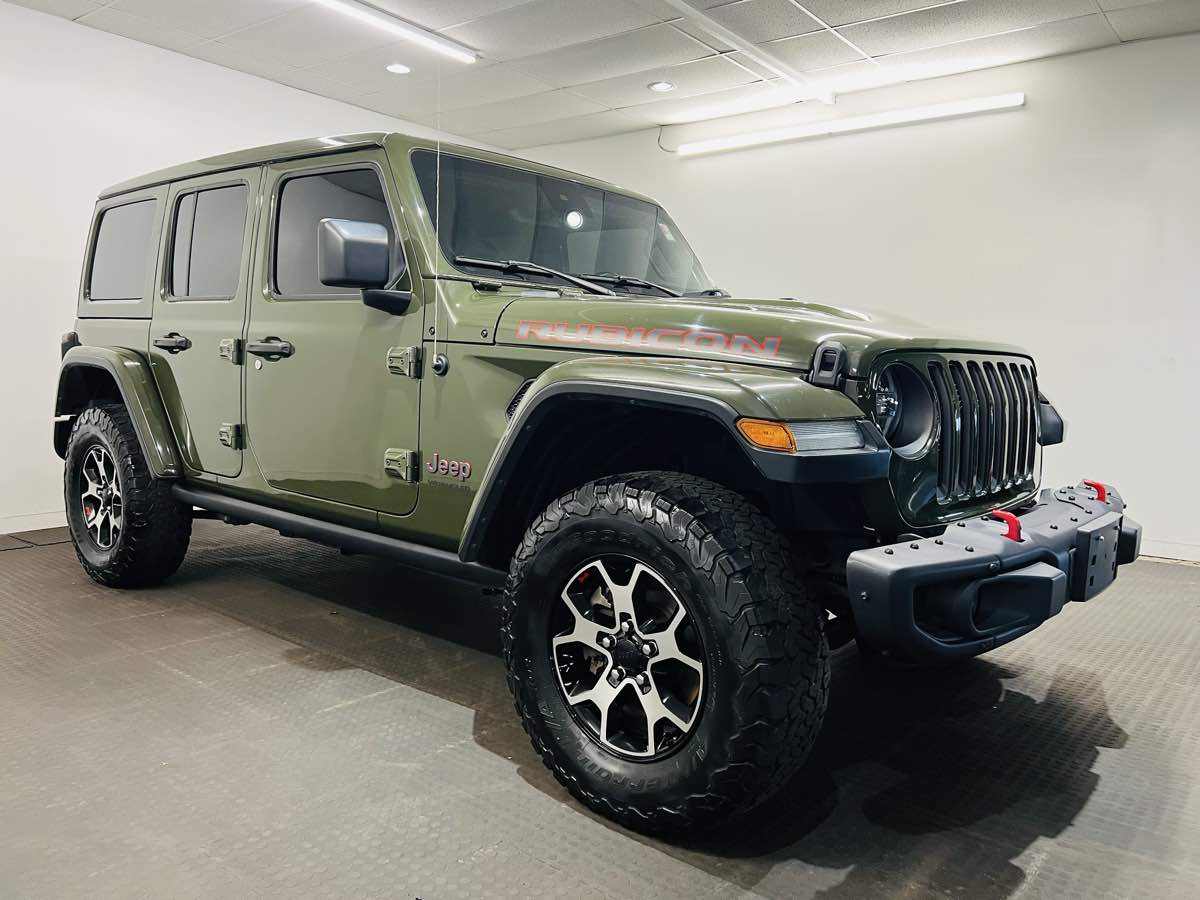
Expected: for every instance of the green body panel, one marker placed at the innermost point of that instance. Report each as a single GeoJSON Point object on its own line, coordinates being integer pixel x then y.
{"type": "Point", "coordinates": [317, 424]}
{"type": "Point", "coordinates": [131, 373]}
{"type": "Point", "coordinates": [201, 390]}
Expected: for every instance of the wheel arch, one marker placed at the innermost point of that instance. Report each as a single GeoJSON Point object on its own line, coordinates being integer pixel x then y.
{"type": "Point", "coordinates": [682, 416]}
{"type": "Point", "coordinates": [116, 374]}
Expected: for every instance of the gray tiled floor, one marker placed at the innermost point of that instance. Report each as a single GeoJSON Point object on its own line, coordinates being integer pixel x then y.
{"type": "Point", "coordinates": [280, 720]}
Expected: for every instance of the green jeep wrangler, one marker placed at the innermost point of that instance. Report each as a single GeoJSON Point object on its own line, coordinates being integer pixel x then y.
{"type": "Point", "coordinates": [508, 373]}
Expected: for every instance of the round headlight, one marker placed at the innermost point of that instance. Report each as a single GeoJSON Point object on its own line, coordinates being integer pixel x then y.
{"type": "Point", "coordinates": [903, 408]}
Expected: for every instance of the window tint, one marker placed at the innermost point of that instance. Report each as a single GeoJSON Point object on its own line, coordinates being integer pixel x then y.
{"type": "Point", "coordinates": [207, 256]}
{"type": "Point", "coordinates": [303, 203]}
{"type": "Point", "coordinates": [122, 255]}
{"type": "Point", "coordinates": [496, 212]}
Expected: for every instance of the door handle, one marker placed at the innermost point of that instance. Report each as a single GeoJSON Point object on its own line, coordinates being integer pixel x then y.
{"type": "Point", "coordinates": [172, 343]}
{"type": "Point", "coordinates": [271, 348]}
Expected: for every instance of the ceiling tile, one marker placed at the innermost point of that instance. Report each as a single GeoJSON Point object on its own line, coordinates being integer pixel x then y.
{"type": "Point", "coordinates": [542, 24]}
{"type": "Point", "coordinates": [368, 69]}
{"type": "Point", "coordinates": [747, 98]}
{"type": "Point", "coordinates": [658, 45]}
{"type": "Point", "coordinates": [695, 31]}
{"type": "Point", "coordinates": [1156, 19]}
{"type": "Point", "coordinates": [1067, 36]}
{"type": "Point", "coordinates": [210, 18]}
{"type": "Point", "coordinates": [307, 36]}
{"type": "Point", "coordinates": [813, 51]}
{"type": "Point", "coordinates": [959, 22]}
{"type": "Point", "coordinates": [764, 20]}
{"type": "Point", "coordinates": [236, 58]}
{"type": "Point", "coordinates": [68, 9]}
{"type": "Point", "coordinates": [690, 79]}
{"type": "Point", "coordinates": [844, 12]}
{"type": "Point", "coordinates": [491, 85]}
{"type": "Point", "coordinates": [140, 29]}
{"type": "Point", "coordinates": [576, 128]}
{"type": "Point", "coordinates": [438, 14]}
{"type": "Point", "coordinates": [530, 110]}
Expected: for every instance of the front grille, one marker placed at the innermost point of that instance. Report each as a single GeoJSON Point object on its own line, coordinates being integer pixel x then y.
{"type": "Point", "coordinates": [988, 426]}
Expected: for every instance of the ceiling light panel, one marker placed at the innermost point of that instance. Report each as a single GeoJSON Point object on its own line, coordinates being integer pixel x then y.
{"type": "Point", "coordinates": [847, 124]}
{"type": "Point", "coordinates": [398, 28]}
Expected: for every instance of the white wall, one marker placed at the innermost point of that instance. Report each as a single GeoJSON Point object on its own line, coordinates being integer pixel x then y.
{"type": "Point", "coordinates": [1071, 227]}
{"type": "Point", "coordinates": [80, 110]}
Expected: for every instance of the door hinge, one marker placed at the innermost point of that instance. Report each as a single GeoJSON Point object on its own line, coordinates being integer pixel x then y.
{"type": "Point", "coordinates": [404, 361]}
{"type": "Point", "coordinates": [231, 349]}
{"type": "Point", "coordinates": [231, 435]}
{"type": "Point", "coordinates": [401, 464]}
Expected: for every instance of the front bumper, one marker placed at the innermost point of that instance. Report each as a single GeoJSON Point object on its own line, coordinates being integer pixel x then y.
{"type": "Point", "coordinates": [973, 588]}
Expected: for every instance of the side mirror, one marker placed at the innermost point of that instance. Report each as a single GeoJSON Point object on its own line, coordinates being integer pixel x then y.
{"type": "Point", "coordinates": [353, 254]}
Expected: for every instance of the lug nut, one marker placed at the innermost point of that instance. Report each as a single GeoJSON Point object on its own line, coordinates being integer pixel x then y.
{"type": "Point", "coordinates": [606, 641]}
{"type": "Point", "coordinates": [625, 627]}
{"type": "Point", "coordinates": [641, 679]}
{"type": "Point", "coordinates": [647, 649]}
{"type": "Point", "coordinates": [615, 676]}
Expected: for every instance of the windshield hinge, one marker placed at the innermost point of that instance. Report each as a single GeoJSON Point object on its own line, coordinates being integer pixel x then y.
{"type": "Point", "coordinates": [404, 361]}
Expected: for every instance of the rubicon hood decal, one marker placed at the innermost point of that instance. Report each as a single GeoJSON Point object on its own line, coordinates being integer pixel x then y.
{"type": "Point", "coordinates": [766, 332]}
{"type": "Point", "coordinates": [599, 334]}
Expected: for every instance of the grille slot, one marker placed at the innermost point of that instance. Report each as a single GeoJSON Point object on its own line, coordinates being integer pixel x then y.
{"type": "Point", "coordinates": [988, 426]}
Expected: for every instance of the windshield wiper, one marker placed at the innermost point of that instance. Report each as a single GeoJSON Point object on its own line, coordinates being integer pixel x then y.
{"type": "Point", "coordinates": [709, 292]}
{"type": "Point", "coordinates": [517, 265]}
{"type": "Point", "coordinates": [629, 281]}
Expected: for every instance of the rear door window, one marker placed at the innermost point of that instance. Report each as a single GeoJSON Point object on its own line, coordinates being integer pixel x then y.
{"type": "Point", "coordinates": [206, 254]}
{"type": "Point", "coordinates": [123, 253]}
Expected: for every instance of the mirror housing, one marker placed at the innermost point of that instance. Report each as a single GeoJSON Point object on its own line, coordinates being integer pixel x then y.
{"type": "Point", "coordinates": [353, 254]}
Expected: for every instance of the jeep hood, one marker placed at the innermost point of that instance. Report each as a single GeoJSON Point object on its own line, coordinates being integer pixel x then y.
{"type": "Point", "coordinates": [777, 332]}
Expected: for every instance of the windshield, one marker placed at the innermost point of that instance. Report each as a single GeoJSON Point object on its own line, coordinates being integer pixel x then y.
{"type": "Point", "coordinates": [494, 212]}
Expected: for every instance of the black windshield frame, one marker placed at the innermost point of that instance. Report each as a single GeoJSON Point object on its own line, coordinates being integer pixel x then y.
{"type": "Point", "coordinates": [529, 207]}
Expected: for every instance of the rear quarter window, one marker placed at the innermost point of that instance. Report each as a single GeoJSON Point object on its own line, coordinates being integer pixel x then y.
{"type": "Point", "coordinates": [123, 252]}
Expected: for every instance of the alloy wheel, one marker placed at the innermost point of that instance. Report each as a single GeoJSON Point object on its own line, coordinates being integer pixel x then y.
{"type": "Point", "coordinates": [628, 657]}
{"type": "Point", "coordinates": [100, 498]}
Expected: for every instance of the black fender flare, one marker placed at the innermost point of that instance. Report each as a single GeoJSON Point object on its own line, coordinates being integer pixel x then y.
{"type": "Point", "coordinates": [870, 463]}
{"type": "Point", "coordinates": [131, 373]}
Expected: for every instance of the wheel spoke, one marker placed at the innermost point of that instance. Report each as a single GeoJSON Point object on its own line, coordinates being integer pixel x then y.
{"type": "Point", "coordinates": [584, 631]}
{"type": "Point", "coordinates": [668, 644]}
{"type": "Point", "coordinates": [602, 694]}
{"type": "Point", "coordinates": [622, 594]}
{"type": "Point", "coordinates": [656, 710]}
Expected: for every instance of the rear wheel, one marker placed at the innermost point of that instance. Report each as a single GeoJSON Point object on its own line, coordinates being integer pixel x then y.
{"type": "Point", "coordinates": [127, 528]}
{"type": "Point", "coordinates": [664, 658]}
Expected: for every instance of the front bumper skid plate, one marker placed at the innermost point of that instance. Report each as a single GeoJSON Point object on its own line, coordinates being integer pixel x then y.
{"type": "Point", "coordinates": [973, 588]}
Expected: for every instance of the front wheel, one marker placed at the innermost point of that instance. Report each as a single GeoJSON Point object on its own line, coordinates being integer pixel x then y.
{"type": "Point", "coordinates": [663, 655]}
{"type": "Point", "coordinates": [127, 528]}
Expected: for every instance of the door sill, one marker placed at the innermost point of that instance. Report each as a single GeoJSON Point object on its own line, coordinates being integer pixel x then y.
{"type": "Point", "coordinates": [289, 524]}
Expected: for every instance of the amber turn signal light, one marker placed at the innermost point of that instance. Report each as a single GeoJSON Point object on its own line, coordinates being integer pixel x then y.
{"type": "Point", "coordinates": [766, 434]}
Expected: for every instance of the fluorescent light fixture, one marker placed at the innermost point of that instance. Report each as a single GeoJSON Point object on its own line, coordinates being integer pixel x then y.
{"type": "Point", "coordinates": [369, 15]}
{"type": "Point", "coordinates": [661, 87]}
{"type": "Point", "coordinates": [855, 123]}
{"type": "Point", "coordinates": [398, 69]}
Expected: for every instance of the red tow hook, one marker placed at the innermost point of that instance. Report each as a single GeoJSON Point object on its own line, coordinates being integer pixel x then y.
{"type": "Point", "coordinates": [1099, 488]}
{"type": "Point", "coordinates": [1013, 523]}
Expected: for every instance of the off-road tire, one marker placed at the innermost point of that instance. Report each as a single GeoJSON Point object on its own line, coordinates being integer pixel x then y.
{"type": "Point", "coordinates": [156, 528]}
{"type": "Point", "coordinates": [767, 660]}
